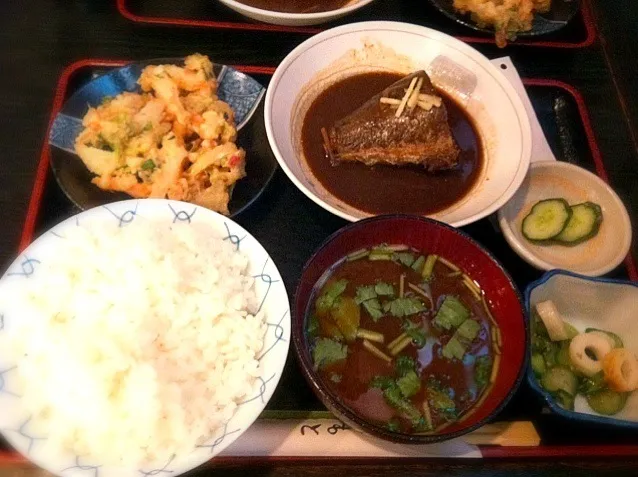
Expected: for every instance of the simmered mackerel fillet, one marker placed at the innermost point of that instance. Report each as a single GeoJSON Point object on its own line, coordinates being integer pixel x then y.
{"type": "Point", "coordinates": [404, 124]}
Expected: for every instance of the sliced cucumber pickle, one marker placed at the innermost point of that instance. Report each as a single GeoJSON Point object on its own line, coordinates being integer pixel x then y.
{"type": "Point", "coordinates": [583, 224]}
{"type": "Point", "coordinates": [562, 357]}
{"type": "Point", "coordinates": [538, 364]}
{"type": "Point", "coordinates": [607, 402]}
{"type": "Point", "coordinates": [592, 385]}
{"type": "Point", "coordinates": [564, 400]}
{"type": "Point", "coordinates": [560, 378]}
{"type": "Point", "coordinates": [547, 219]}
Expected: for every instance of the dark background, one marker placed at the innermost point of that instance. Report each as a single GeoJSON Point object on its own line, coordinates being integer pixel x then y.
{"type": "Point", "coordinates": [40, 37]}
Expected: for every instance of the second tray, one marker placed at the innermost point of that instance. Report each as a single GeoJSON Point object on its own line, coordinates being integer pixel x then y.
{"type": "Point", "coordinates": [579, 33]}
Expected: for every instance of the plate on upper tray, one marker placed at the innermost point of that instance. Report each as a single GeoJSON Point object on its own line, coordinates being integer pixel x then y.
{"type": "Point", "coordinates": [559, 15]}
{"type": "Point", "coordinates": [243, 94]}
{"type": "Point", "coordinates": [295, 13]}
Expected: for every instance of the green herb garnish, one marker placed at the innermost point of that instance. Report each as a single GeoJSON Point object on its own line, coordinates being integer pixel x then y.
{"type": "Point", "coordinates": [421, 425]}
{"type": "Point", "coordinates": [404, 364]}
{"type": "Point", "coordinates": [382, 382]}
{"type": "Point", "coordinates": [482, 370]}
{"type": "Point", "coordinates": [373, 307]}
{"type": "Point", "coordinates": [416, 332]}
{"type": "Point", "coordinates": [417, 266]}
{"type": "Point", "coordinates": [395, 399]}
{"type": "Point", "coordinates": [393, 426]}
{"type": "Point", "coordinates": [329, 295]}
{"type": "Point", "coordinates": [384, 289]}
{"type": "Point", "coordinates": [441, 402]}
{"type": "Point", "coordinates": [406, 258]}
{"type": "Point", "coordinates": [405, 306]}
{"type": "Point", "coordinates": [469, 329]}
{"type": "Point", "coordinates": [367, 296]}
{"type": "Point", "coordinates": [409, 384]}
{"type": "Point", "coordinates": [327, 351]}
{"type": "Point", "coordinates": [335, 378]}
{"type": "Point", "coordinates": [452, 313]}
{"type": "Point", "coordinates": [365, 293]}
{"type": "Point", "coordinates": [453, 349]}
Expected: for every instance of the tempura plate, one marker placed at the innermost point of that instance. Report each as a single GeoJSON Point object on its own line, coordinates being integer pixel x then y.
{"type": "Point", "coordinates": [243, 93]}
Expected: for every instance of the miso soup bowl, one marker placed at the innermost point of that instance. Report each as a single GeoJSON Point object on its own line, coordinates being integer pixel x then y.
{"type": "Point", "coordinates": [428, 236]}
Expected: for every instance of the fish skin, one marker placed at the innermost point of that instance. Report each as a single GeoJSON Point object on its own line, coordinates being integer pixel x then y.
{"type": "Point", "coordinates": [373, 135]}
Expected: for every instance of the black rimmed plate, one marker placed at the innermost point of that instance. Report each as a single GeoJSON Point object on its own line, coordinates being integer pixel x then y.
{"type": "Point", "coordinates": [560, 14]}
{"type": "Point", "coordinates": [243, 93]}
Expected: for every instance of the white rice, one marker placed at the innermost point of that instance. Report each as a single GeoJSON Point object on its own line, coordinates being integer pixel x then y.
{"type": "Point", "coordinates": [139, 342]}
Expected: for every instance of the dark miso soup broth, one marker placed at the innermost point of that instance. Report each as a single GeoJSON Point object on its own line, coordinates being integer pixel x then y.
{"type": "Point", "coordinates": [422, 383]}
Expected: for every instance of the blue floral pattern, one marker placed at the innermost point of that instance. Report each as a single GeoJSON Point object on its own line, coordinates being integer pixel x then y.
{"type": "Point", "coordinates": [261, 391]}
{"type": "Point", "coordinates": [125, 217]}
{"type": "Point", "coordinates": [219, 439]}
{"type": "Point", "coordinates": [182, 215]}
{"type": "Point", "coordinates": [234, 238]}
{"type": "Point", "coordinates": [242, 93]}
{"type": "Point", "coordinates": [27, 267]}
{"type": "Point", "coordinates": [89, 470]}
{"type": "Point", "coordinates": [163, 470]}
{"type": "Point", "coordinates": [26, 439]}
{"type": "Point", "coordinates": [3, 382]}
{"type": "Point", "coordinates": [273, 302]}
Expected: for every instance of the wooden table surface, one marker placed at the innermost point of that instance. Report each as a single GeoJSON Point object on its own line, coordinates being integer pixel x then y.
{"type": "Point", "coordinates": [39, 38]}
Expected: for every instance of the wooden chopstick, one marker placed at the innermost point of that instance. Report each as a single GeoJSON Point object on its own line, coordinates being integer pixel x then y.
{"type": "Point", "coordinates": [506, 434]}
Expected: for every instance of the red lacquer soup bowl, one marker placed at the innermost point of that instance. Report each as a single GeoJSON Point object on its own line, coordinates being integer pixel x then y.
{"type": "Point", "coordinates": [429, 237]}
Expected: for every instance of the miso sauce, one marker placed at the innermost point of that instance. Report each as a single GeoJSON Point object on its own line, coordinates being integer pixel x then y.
{"type": "Point", "coordinates": [382, 189]}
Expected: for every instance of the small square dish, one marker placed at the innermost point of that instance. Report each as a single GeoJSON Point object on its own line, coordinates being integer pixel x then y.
{"type": "Point", "coordinates": [585, 303]}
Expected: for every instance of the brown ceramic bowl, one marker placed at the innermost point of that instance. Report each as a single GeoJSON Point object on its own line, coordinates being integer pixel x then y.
{"type": "Point", "coordinates": [432, 237]}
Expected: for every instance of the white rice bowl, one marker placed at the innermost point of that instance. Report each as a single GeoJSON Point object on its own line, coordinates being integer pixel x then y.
{"type": "Point", "coordinates": [139, 336]}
